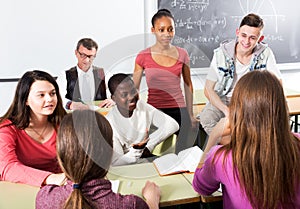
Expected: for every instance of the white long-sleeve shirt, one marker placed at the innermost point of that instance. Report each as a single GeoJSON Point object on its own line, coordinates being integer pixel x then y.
{"type": "Point", "coordinates": [132, 130]}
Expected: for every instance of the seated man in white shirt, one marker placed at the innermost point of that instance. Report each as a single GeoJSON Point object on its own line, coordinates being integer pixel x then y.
{"type": "Point", "coordinates": [131, 120]}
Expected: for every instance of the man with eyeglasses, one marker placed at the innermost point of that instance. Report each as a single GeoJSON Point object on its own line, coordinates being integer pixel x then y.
{"type": "Point", "coordinates": [85, 82]}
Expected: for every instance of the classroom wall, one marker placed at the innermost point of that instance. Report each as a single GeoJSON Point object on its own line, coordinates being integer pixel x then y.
{"type": "Point", "coordinates": [43, 35]}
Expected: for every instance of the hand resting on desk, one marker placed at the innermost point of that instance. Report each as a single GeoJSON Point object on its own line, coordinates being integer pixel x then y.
{"type": "Point", "coordinates": [151, 193]}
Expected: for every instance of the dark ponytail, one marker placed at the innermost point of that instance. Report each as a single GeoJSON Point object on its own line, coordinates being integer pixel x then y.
{"type": "Point", "coordinates": [161, 13]}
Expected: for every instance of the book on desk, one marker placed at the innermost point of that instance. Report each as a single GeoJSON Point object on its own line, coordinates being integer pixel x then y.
{"type": "Point", "coordinates": [185, 162]}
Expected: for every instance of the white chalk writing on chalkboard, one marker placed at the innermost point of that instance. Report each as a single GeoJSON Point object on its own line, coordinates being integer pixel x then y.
{"type": "Point", "coordinates": [191, 5]}
{"type": "Point", "coordinates": [191, 23]}
{"type": "Point", "coordinates": [201, 39]}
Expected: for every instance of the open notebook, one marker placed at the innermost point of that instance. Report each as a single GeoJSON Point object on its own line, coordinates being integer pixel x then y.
{"type": "Point", "coordinates": [185, 162]}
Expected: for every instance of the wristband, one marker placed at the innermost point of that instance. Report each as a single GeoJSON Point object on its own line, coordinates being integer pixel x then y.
{"type": "Point", "coordinates": [68, 105]}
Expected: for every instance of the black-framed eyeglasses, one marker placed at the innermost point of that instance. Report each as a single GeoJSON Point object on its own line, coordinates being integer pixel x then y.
{"type": "Point", "coordinates": [84, 56]}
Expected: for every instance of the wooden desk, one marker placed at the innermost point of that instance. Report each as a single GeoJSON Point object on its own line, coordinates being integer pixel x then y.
{"type": "Point", "coordinates": [292, 97]}
{"type": "Point", "coordinates": [103, 111]}
{"type": "Point", "coordinates": [199, 97]}
{"type": "Point", "coordinates": [291, 93]}
{"type": "Point", "coordinates": [294, 109]}
{"type": "Point", "coordinates": [214, 197]}
{"type": "Point", "coordinates": [199, 101]}
{"type": "Point", "coordinates": [16, 196]}
{"type": "Point", "coordinates": [175, 189]}
{"type": "Point", "coordinates": [294, 105]}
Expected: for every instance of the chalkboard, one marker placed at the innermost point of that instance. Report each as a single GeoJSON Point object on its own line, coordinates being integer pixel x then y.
{"type": "Point", "coordinates": [200, 25]}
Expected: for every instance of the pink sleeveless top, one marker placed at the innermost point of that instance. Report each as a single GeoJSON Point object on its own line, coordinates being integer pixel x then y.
{"type": "Point", "coordinates": [164, 90]}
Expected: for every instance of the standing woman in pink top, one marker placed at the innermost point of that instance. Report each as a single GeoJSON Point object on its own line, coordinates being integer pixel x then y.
{"type": "Point", "coordinates": [28, 132]}
{"type": "Point", "coordinates": [164, 65]}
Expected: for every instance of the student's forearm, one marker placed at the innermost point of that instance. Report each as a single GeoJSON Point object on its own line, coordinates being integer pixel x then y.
{"type": "Point", "coordinates": [152, 204]}
{"type": "Point", "coordinates": [151, 193]}
{"type": "Point", "coordinates": [189, 101]}
{"type": "Point", "coordinates": [216, 101]}
{"type": "Point", "coordinates": [220, 133]}
{"type": "Point", "coordinates": [213, 139]}
{"type": "Point", "coordinates": [166, 126]}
